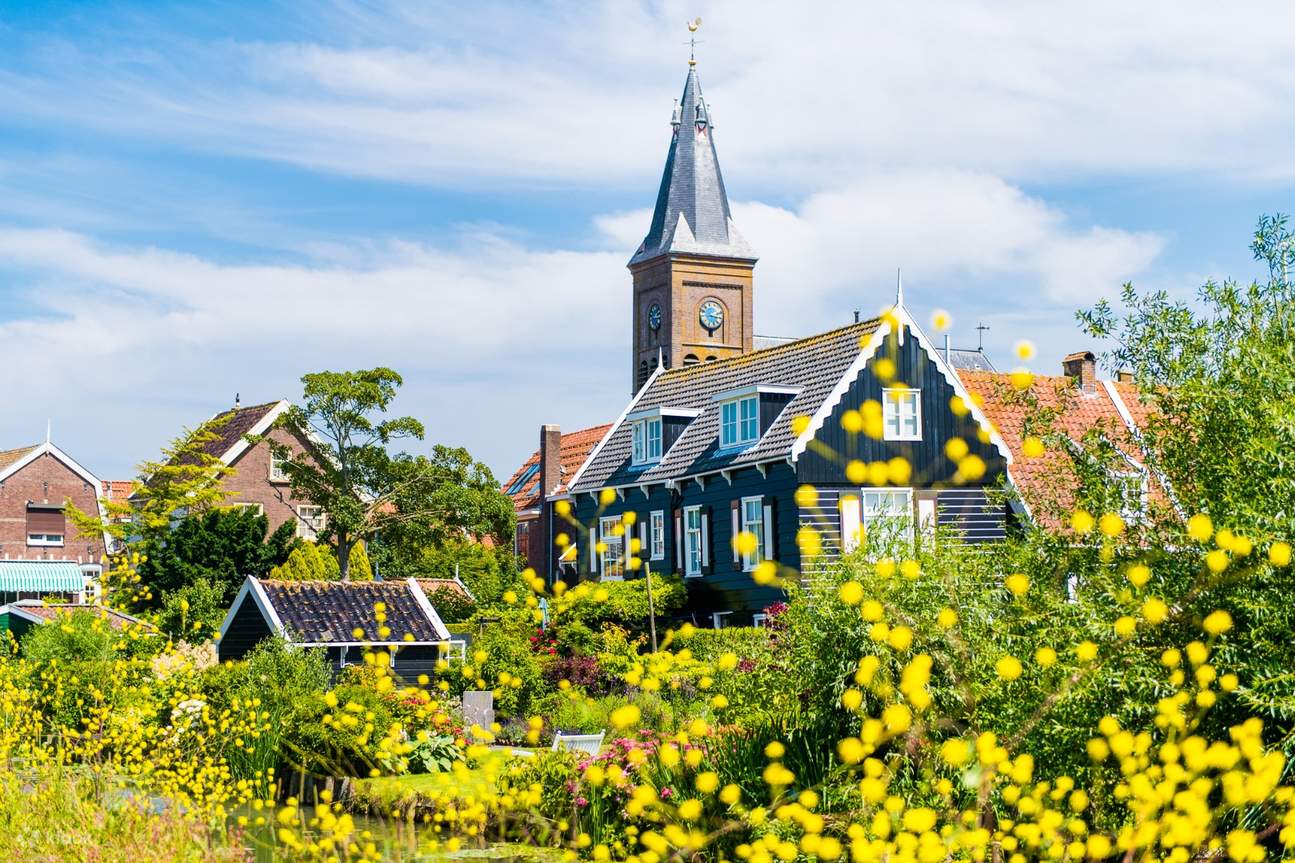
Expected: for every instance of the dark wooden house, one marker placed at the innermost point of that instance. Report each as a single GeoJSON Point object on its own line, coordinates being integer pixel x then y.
{"type": "Point", "coordinates": [341, 618]}
{"type": "Point", "coordinates": [797, 445]}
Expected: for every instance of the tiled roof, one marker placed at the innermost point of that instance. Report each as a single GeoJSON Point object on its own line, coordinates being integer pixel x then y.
{"type": "Point", "coordinates": [326, 612]}
{"type": "Point", "coordinates": [692, 212]}
{"type": "Point", "coordinates": [968, 359]}
{"type": "Point", "coordinates": [575, 448]}
{"type": "Point", "coordinates": [433, 586]}
{"type": "Point", "coordinates": [230, 426]}
{"type": "Point", "coordinates": [1053, 405]}
{"type": "Point", "coordinates": [9, 456]}
{"type": "Point", "coordinates": [814, 365]}
{"type": "Point", "coordinates": [118, 489]}
{"type": "Point", "coordinates": [48, 612]}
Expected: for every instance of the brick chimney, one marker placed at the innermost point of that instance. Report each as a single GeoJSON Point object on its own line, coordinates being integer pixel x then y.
{"type": "Point", "coordinates": [1082, 366]}
{"type": "Point", "coordinates": [550, 459]}
{"type": "Point", "coordinates": [1124, 376]}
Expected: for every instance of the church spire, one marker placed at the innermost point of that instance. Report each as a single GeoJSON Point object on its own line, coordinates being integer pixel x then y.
{"type": "Point", "coordinates": [692, 214]}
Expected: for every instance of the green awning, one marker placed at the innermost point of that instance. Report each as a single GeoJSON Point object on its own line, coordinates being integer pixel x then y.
{"type": "Point", "coordinates": [37, 576]}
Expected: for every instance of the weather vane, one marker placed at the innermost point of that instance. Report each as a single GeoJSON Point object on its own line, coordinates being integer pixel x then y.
{"type": "Point", "coordinates": [692, 40]}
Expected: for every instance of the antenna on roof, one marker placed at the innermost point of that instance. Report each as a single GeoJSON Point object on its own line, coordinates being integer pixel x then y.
{"type": "Point", "coordinates": [49, 425]}
{"type": "Point", "coordinates": [899, 288]}
{"type": "Point", "coordinates": [856, 316]}
{"type": "Point", "coordinates": [237, 402]}
{"type": "Point", "coordinates": [980, 330]}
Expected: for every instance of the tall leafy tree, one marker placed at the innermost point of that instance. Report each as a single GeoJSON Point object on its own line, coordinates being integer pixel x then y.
{"type": "Point", "coordinates": [186, 480]}
{"type": "Point", "coordinates": [346, 468]}
{"type": "Point", "coordinates": [221, 546]}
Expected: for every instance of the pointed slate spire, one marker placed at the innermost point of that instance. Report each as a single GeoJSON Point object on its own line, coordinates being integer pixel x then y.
{"type": "Point", "coordinates": [692, 214]}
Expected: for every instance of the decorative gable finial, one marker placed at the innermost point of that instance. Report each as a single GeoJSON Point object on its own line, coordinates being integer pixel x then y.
{"type": "Point", "coordinates": [899, 288]}
{"type": "Point", "coordinates": [49, 428]}
{"type": "Point", "coordinates": [660, 359]}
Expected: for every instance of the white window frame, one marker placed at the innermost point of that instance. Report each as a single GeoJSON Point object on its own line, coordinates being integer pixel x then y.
{"type": "Point", "coordinates": [309, 527]}
{"type": "Point", "coordinates": [755, 526]}
{"type": "Point", "coordinates": [656, 534]}
{"type": "Point", "coordinates": [259, 508]}
{"type": "Point", "coordinates": [1133, 511]}
{"type": "Point", "coordinates": [693, 559]}
{"type": "Point", "coordinates": [743, 429]}
{"type": "Point", "coordinates": [646, 447]}
{"type": "Point", "coordinates": [612, 557]}
{"type": "Point", "coordinates": [717, 619]}
{"type": "Point", "coordinates": [45, 539]}
{"type": "Point", "coordinates": [894, 400]}
{"type": "Point", "coordinates": [760, 621]}
{"type": "Point", "coordinates": [277, 473]}
{"type": "Point", "coordinates": [865, 518]}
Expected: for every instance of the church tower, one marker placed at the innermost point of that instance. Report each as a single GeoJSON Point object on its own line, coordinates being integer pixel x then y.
{"type": "Point", "coordinates": [693, 273]}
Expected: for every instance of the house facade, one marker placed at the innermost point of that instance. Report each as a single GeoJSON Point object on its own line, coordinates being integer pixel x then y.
{"type": "Point", "coordinates": [41, 551]}
{"type": "Point", "coordinates": [256, 480]}
{"type": "Point", "coordinates": [807, 448]}
{"type": "Point", "coordinates": [537, 483]}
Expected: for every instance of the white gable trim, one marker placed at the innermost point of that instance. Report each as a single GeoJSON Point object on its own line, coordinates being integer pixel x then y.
{"type": "Point", "coordinates": [252, 587]}
{"type": "Point", "coordinates": [838, 392]}
{"type": "Point", "coordinates": [48, 447]}
{"type": "Point", "coordinates": [417, 590]}
{"type": "Point", "coordinates": [620, 420]}
{"type": "Point", "coordinates": [262, 426]}
{"type": "Point", "coordinates": [951, 377]}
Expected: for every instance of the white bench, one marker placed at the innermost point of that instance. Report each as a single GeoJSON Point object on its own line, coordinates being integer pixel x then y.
{"type": "Point", "coordinates": [586, 743]}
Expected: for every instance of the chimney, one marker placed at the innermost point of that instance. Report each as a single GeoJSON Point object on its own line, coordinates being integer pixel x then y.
{"type": "Point", "coordinates": [550, 458]}
{"type": "Point", "coordinates": [1082, 366]}
{"type": "Point", "coordinates": [237, 401]}
{"type": "Point", "coordinates": [1124, 376]}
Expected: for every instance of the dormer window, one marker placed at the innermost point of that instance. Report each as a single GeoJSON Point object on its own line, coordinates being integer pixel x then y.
{"type": "Point", "coordinates": [739, 421]}
{"type": "Point", "coordinates": [902, 413]}
{"type": "Point", "coordinates": [746, 413]}
{"type": "Point", "coordinates": [647, 441]}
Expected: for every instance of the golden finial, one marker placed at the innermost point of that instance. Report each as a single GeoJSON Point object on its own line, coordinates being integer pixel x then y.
{"type": "Point", "coordinates": [692, 41]}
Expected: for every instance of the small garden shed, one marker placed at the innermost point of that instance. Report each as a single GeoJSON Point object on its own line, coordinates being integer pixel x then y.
{"type": "Point", "coordinates": [344, 618]}
{"type": "Point", "coordinates": [17, 618]}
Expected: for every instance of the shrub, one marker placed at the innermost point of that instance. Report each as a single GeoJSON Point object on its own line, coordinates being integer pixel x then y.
{"type": "Point", "coordinates": [595, 604]}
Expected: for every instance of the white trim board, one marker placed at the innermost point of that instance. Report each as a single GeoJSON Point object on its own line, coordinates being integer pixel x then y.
{"type": "Point", "coordinates": [421, 598]}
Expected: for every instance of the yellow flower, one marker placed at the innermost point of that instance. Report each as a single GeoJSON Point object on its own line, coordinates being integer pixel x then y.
{"type": "Point", "coordinates": [727, 662]}
{"type": "Point", "coordinates": [730, 794]}
{"type": "Point", "coordinates": [941, 320]}
{"type": "Point", "coordinates": [626, 715]}
{"type": "Point", "coordinates": [1018, 584]}
{"type": "Point", "coordinates": [1008, 668]}
{"type": "Point", "coordinates": [1081, 521]}
{"type": "Point", "coordinates": [706, 782]}
{"type": "Point", "coordinates": [1217, 560]}
{"type": "Point", "coordinates": [1279, 554]}
{"type": "Point", "coordinates": [850, 750]}
{"type": "Point", "coordinates": [955, 751]}
{"type": "Point", "coordinates": [719, 702]}
{"type": "Point", "coordinates": [1218, 622]}
{"type": "Point", "coordinates": [1139, 575]}
{"type": "Point", "coordinates": [1032, 447]}
{"type": "Point", "coordinates": [1126, 626]}
{"type": "Point", "coordinates": [947, 618]}
{"type": "Point", "coordinates": [1200, 528]}
{"type": "Point", "coordinates": [1086, 651]}
{"type": "Point", "coordinates": [1111, 524]}
{"type": "Point", "coordinates": [1046, 657]}
{"type": "Point", "coordinates": [1154, 610]}
{"type": "Point", "coordinates": [690, 810]}
{"type": "Point", "coordinates": [851, 593]}
{"type": "Point", "coordinates": [851, 699]}
{"type": "Point", "coordinates": [900, 638]}
{"type": "Point", "coordinates": [872, 611]}
{"type": "Point", "coordinates": [774, 750]}
{"type": "Point", "coordinates": [806, 496]}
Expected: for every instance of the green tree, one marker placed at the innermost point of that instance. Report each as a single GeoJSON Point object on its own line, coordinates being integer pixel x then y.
{"type": "Point", "coordinates": [346, 468]}
{"type": "Point", "coordinates": [221, 546]}
{"type": "Point", "coordinates": [307, 563]}
{"type": "Point", "coordinates": [360, 568]}
{"type": "Point", "coordinates": [486, 571]}
{"type": "Point", "coordinates": [185, 481]}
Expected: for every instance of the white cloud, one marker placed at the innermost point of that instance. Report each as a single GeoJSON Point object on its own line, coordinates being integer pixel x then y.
{"type": "Point", "coordinates": [495, 337]}
{"type": "Point", "coordinates": [506, 94]}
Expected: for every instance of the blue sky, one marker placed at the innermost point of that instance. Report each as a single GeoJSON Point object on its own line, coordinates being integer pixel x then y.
{"type": "Point", "coordinates": [203, 200]}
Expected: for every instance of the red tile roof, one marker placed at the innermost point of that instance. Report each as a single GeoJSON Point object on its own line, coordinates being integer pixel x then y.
{"type": "Point", "coordinates": [575, 448]}
{"type": "Point", "coordinates": [432, 586]}
{"type": "Point", "coordinates": [49, 612]}
{"type": "Point", "coordinates": [1055, 405]}
{"type": "Point", "coordinates": [118, 489]}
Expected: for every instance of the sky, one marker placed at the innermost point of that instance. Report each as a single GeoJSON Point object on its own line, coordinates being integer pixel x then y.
{"type": "Point", "coordinates": [199, 200]}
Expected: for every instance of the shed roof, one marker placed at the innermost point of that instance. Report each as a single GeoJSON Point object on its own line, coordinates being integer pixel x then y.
{"type": "Point", "coordinates": [39, 576]}
{"type": "Point", "coordinates": [329, 612]}
{"type": "Point", "coordinates": [574, 449]}
{"type": "Point", "coordinates": [44, 612]}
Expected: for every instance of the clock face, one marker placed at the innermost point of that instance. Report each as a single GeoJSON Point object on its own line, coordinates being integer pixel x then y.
{"type": "Point", "coordinates": [654, 317]}
{"type": "Point", "coordinates": [711, 315]}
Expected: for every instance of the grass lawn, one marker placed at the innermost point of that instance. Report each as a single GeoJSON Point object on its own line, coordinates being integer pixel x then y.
{"type": "Point", "coordinates": [384, 793]}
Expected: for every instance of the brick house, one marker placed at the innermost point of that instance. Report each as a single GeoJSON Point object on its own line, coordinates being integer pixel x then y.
{"type": "Point", "coordinates": [533, 486]}
{"type": "Point", "coordinates": [40, 551]}
{"type": "Point", "coordinates": [256, 480]}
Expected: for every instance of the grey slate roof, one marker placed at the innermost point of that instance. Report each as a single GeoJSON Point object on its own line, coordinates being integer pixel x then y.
{"type": "Point", "coordinates": [975, 361]}
{"type": "Point", "coordinates": [692, 213]}
{"type": "Point", "coordinates": [328, 612]}
{"type": "Point", "coordinates": [813, 364]}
